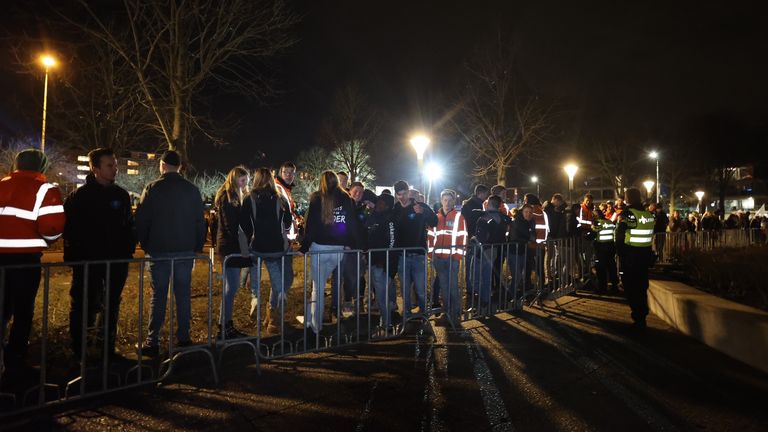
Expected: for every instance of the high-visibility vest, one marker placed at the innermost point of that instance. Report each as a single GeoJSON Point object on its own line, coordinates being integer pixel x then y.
{"type": "Point", "coordinates": [639, 231]}
{"type": "Point", "coordinates": [542, 224]}
{"type": "Point", "coordinates": [293, 231]}
{"type": "Point", "coordinates": [449, 237]}
{"type": "Point", "coordinates": [605, 230]}
{"type": "Point", "coordinates": [585, 218]}
{"type": "Point", "coordinates": [31, 213]}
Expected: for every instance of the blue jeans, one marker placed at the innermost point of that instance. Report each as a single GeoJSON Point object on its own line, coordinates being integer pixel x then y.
{"type": "Point", "coordinates": [231, 284]}
{"type": "Point", "coordinates": [483, 271]}
{"type": "Point", "coordinates": [412, 270]}
{"type": "Point", "coordinates": [280, 279]}
{"type": "Point", "coordinates": [160, 275]}
{"type": "Point", "coordinates": [384, 287]}
{"type": "Point", "coordinates": [447, 270]}
{"type": "Point", "coordinates": [516, 265]}
{"type": "Point", "coordinates": [323, 263]}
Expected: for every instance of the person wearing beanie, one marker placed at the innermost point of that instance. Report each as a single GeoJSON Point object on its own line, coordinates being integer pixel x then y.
{"type": "Point", "coordinates": [31, 216]}
{"type": "Point", "coordinates": [380, 234]}
{"type": "Point", "coordinates": [471, 210]}
{"type": "Point", "coordinates": [170, 226]}
{"type": "Point", "coordinates": [634, 236]}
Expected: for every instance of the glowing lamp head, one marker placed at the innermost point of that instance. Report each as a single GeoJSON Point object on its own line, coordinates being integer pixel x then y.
{"type": "Point", "coordinates": [420, 144]}
{"type": "Point", "coordinates": [47, 61]}
{"type": "Point", "coordinates": [648, 185]}
{"type": "Point", "coordinates": [433, 171]}
{"type": "Point", "coordinates": [653, 155]}
{"type": "Point", "coordinates": [534, 179]}
{"type": "Point", "coordinates": [571, 170]}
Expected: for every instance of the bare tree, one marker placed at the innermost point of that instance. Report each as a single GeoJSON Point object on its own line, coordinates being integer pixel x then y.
{"type": "Point", "coordinates": [614, 161]}
{"type": "Point", "coordinates": [349, 131]}
{"type": "Point", "coordinates": [498, 117]}
{"type": "Point", "coordinates": [310, 164]}
{"type": "Point", "coordinates": [177, 48]}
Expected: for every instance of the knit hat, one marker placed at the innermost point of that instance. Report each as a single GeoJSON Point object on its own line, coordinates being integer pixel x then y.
{"type": "Point", "coordinates": [171, 157]}
{"type": "Point", "coordinates": [31, 160]}
{"type": "Point", "coordinates": [388, 199]}
{"type": "Point", "coordinates": [531, 199]}
{"type": "Point", "coordinates": [369, 195]}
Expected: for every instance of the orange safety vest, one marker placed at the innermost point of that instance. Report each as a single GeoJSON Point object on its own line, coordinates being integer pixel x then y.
{"type": "Point", "coordinates": [293, 231]}
{"type": "Point", "coordinates": [449, 237]}
{"type": "Point", "coordinates": [542, 223]}
{"type": "Point", "coordinates": [585, 219]}
{"type": "Point", "coordinates": [31, 213]}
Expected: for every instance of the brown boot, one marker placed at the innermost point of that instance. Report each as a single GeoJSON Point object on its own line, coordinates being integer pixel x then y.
{"type": "Point", "coordinates": [272, 322]}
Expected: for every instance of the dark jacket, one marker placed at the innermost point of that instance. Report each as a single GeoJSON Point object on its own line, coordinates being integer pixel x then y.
{"type": "Point", "coordinates": [228, 220]}
{"type": "Point", "coordinates": [411, 227]}
{"type": "Point", "coordinates": [521, 233]}
{"type": "Point", "coordinates": [99, 223]}
{"type": "Point", "coordinates": [269, 224]}
{"type": "Point", "coordinates": [557, 218]}
{"type": "Point", "coordinates": [169, 218]}
{"type": "Point", "coordinates": [380, 228]}
{"type": "Point", "coordinates": [472, 209]}
{"type": "Point", "coordinates": [343, 231]}
{"type": "Point", "coordinates": [662, 221]}
{"type": "Point", "coordinates": [492, 227]}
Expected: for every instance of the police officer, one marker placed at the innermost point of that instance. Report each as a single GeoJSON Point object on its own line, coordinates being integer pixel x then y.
{"type": "Point", "coordinates": [634, 236]}
{"type": "Point", "coordinates": [605, 253]}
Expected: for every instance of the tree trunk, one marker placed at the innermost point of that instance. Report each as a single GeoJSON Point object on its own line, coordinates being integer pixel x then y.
{"type": "Point", "coordinates": [501, 174]}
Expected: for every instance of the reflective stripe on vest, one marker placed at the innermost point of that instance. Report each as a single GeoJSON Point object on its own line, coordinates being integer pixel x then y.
{"type": "Point", "coordinates": [642, 234]}
{"type": "Point", "coordinates": [22, 243]}
{"type": "Point", "coordinates": [606, 229]}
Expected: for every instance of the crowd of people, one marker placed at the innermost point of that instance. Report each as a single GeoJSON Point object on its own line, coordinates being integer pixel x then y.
{"type": "Point", "coordinates": [256, 217]}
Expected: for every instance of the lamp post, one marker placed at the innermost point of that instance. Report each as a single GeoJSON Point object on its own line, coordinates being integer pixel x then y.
{"type": "Point", "coordinates": [655, 155]}
{"type": "Point", "coordinates": [48, 62]}
{"type": "Point", "coordinates": [434, 171]}
{"type": "Point", "coordinates": [535, 180]}
{"type": "Point", "coordinates": [648, 188]}
{"type": "Point", "coordinates": [420, 144]}
{"type": "Point", "coordinates": [700, 196]}
{"type": "Point", "coordinates": [570, 169]}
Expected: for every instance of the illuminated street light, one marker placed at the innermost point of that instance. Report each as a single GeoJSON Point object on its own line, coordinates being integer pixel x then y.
{"type": "Point", "coordinates": [571, 170]}
{"type": "Point", "coordinates": [648, 187]}
{"type": "Point", "coordinates": [420, 143]}
{"type": "Point", "coordinates": [434, 172]}
{"type": "Point", "coordinates": [535, 180]}
{"type": "Point", "coordinates": [48, 62]}
{"type": "Point", "coordinates": [700, 196]}
{"type": "Point", "coordinates": [655, 155]}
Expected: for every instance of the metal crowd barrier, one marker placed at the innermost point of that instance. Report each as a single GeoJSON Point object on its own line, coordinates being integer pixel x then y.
{"type": "Point", "coordinates": [670, 247]}
{"type": "Point", "coordinates": [94, 371]}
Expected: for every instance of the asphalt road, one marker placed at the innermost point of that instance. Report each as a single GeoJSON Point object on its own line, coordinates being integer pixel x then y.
{"type": "Point", "coordinates": [571, 368]}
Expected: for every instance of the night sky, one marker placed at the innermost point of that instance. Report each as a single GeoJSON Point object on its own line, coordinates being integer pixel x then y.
{"type": "Point", "coordinates": [647, 71]}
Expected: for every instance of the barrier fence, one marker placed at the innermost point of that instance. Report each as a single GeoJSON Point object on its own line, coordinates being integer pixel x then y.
{"type": "Point", "coordinates": [374, 295]}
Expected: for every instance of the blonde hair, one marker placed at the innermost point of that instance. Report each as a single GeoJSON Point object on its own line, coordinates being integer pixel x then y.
{"type": "Point", "coordinates": [263, 180]}
{"type": "Point", "coordinates": [229, 189]}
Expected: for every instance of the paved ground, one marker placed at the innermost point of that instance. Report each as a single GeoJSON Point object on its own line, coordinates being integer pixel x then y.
{"type": "Point", "coordinates": [573, 368]}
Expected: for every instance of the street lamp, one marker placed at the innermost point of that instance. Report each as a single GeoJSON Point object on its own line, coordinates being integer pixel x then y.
{"type": "Point", "coordinates": [535, 180]}
{"type": "Point", "coordinates": [48, 62]}
{"type": "Point", "coordinates": [648, 187]}
{"type": "Point", "coordinates": [420, 143]}
{"type": "Point", "coordinates": [700, 196]}
{"type": "Point", "coordinates": [570, 169]}
{"type": "Point", "coordinates": [434, 172]}
{"type": "Point", "coordinates": [655, 155]}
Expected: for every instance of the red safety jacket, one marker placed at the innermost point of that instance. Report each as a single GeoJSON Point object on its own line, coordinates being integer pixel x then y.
{"type": "Point", "coordinates": [31, 213]}
{"type": "Point", "coordinates": [585, 219]}
{"type": "Point", "coordinates": [542, 223]}
{"type": "Point", "coordinates": [449, 237]}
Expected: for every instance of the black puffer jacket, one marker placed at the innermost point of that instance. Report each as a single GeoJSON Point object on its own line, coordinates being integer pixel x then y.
{"type": "Point", "coordinates": [228, 220]}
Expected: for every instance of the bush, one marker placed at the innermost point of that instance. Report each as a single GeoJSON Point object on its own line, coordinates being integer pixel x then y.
{"type": "Point", "coordinates": [737, 274]}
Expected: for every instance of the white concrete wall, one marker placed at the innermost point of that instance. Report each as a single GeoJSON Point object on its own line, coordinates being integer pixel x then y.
{"type": "Point", "coordinates": [734, 329]}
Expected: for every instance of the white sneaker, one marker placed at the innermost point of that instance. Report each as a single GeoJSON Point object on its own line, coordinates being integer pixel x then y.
{"type": "Point", "coordinates": [254, 309]}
